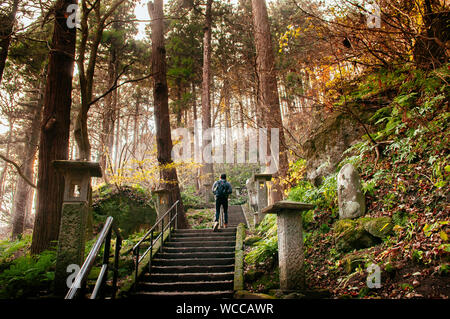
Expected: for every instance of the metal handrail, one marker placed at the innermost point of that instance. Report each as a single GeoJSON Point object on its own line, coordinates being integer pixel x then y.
{"type": "Point", "coordinates": [153, 241]}
{"type": "Point", "coordinates": [80, 279]}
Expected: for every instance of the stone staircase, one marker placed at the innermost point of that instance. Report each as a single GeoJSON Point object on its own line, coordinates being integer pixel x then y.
{"type": "Point", "coordinates": [194, 263]}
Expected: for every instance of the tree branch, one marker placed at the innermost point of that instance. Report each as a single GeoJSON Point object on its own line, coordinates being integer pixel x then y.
{"type": "Point", "coordinates": [19, 170]}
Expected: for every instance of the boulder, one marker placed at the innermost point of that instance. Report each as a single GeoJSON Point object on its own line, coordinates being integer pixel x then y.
{"type": "Point", "coordinates": [350, 235]}
{"type": "Point", "coordinates": [379, 227]}
{"type": "Point", "coordinates": [351, 199]}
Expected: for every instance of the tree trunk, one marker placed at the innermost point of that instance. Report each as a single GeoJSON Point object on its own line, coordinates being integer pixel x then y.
{"type": "Point", "coordinates": [109, 115]}
{"type": "Point", "coordinates": [161, 104]}
{"type": "Point", "coordinates": [54, 139]}
{"type": "Point", "coordinates": [207, 170]}
{"type": "Point", "coordinates": [5, 35]}
{"type": "Point", "coordinates": [6, 165]}
{"type": "Point", "coordinates": [136, 120]}
{"type": "Point", "coordinates": [268, 99]}
{"type": "Point", "coordinates": [24, 192]}
{"type": "Point", "coordinates": [196, 140]}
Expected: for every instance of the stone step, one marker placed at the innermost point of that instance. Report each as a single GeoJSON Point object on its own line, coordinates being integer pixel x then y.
{"type": "Point", "coordinates": [199, 249]}
{"type": "Point", "coordinates": [205, 231]}
{"type": "Point", "coordinates": [185, 294]}
{"type": "Point", "coordinates": [204, 234]}
{"type": "Point", "coordinates": [188, 255]}
{"type": "Point", "coordinates": [204, 238]}
{"type": "Point", "coordinates": [187, 277]}
{"type": "Point", "coordinates": [193, 262]}
{"type": "Point", "coordinates": [201, 243]}
{"type": "Point", "coordinates": [186, 286]}
{"type": "Point", "coordinates": [192, 269]}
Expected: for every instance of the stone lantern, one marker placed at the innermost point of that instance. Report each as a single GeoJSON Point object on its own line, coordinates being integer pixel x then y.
{"type": "Point", "coordinates": [261, 188]}
{"type": "Point", "coordinates": [162, 204]}
{"type": "Point", "coordinates": [290, 243]}
{"type": "Point", "coordinates": [72, 230]}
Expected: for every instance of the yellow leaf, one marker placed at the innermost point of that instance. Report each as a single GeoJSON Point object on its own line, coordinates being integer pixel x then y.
{"type": "Point", "coordinates": [443, 235]}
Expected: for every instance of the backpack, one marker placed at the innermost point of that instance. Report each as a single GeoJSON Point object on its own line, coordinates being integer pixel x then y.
{"type": "Point", "coordinates": [221, 189]}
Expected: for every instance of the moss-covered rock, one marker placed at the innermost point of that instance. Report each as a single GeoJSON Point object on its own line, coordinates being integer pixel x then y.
{"type": "Point", "coordinates": [379, 227]}
{"type": "Point", "coordinates": [350, 235]}
{"type": "Point", "coordinates": [131, 207]}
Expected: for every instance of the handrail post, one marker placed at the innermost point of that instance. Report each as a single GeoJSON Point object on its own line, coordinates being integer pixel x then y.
{"type": "Point", "coordinates": [176, 216]}
{"type": "Point", "coordinates": [162, 235]}
{"type": "Point", "coordinates": [106, 254]}
{"type": "Point", "coordinates": [116, 265]}
{"type": "Point", "coordinates": [170, 225]}
{"type": "Point", "coordinates": [136, 253]}
{"type": "Point", "coordinates": [151, 253]}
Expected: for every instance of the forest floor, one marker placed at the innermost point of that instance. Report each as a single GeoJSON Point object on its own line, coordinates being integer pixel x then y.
{"type": "Point", "coordinates": [407, 180]}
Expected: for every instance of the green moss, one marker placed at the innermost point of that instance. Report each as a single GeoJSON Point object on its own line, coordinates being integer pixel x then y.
{"type": "Point", "coordinates": [131, 208]}
{"type": "Point", "coordinates": [350, 234]}
{"type": "Point", "coordinates": [379, 227]}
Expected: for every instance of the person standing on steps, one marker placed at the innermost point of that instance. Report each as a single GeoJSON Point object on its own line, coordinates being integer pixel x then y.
{"type": "Point", "coordinates": [221, 189]}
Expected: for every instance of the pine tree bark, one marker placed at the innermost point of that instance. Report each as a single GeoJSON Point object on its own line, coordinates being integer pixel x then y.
{"type": "Point", "coordinates": [268, 99]}
{"type": "Point", "coordinates": [109, 115]}
{"type": "Point", "coordinates": [168, 173]}
{"type": "Point", "coordinates": [5, 35]}
{"type": "Point", "coordinates": [54, 139]}
{"type": "Point", "coordinates": [196, 139]}
{"type": "Point", "coordinates": [207, 170]}
{"type": "Point", "coordinates": [24, 192]}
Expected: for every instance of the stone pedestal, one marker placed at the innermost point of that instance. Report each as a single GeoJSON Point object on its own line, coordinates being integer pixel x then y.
{"type": "Point", "coordinates": [71, 242]}
{"type": "Point", "coordinates": [290, 242]}
{"type": "Point", "coordinates": [72, 230]}
{"type": "Point", "coordinates": [162, 204]}
{"type": "Point", "coordinates": [261, 188]}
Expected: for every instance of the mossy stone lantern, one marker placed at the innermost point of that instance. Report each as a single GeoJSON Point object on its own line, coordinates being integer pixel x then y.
{"type": "Point", "coordinates": [261, 187]}
{"type": "Point", "coordinates": [162, 203]}
{"type": "Point", "coordinates": [72, 230]}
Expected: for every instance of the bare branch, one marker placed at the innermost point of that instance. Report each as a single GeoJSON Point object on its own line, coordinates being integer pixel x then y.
{"type": "Point", "coordinates": [19, 170]}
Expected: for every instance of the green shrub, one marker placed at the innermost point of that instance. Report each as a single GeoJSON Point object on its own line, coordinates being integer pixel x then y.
{"type": "Point", "coordinates": [28, 276]}
{"type": "Point", "coordinates": [9, 248]}
{"type": "Point", "coordinates": [264, 250]}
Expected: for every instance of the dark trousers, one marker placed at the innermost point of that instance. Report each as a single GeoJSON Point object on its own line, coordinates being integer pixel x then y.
{"type": "Point", "coordinates": [222, 202]}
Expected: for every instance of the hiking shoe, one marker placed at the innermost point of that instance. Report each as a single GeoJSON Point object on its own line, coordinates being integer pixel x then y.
{"type": "Point", "coordinates": [216, 225]}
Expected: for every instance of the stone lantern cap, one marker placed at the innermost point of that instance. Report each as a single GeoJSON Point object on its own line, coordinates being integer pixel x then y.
{"type": "Point", "coordinates": [161, 191]}
{"type": "Point", "coordinates": [76, 167]}
{"type": "Point", "coordinates": [77, 177]}
{"type": "Point", "coordinates": [287, 206]}
{"type": "Point", "coordinates": [263, 177]}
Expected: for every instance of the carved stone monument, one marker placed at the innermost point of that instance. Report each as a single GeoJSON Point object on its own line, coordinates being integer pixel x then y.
{"type": "Point", "coordinates": [351, 199]}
